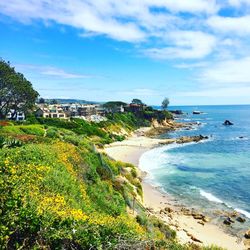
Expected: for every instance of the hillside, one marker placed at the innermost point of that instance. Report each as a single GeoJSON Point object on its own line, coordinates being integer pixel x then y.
{"type": "Point", "coordinates": [59, 192]}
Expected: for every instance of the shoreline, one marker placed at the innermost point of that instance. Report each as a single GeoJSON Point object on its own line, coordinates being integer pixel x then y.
{"type": "Point", "coordinates": [165, 207]}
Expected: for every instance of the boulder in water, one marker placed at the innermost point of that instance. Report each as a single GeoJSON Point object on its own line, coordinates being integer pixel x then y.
{"type": "Point", "coordinates": [228, 221]}
{"type": "Point", "coordinates": [227, 123]}
{"type": "Point", "coordinates": [240, 219]}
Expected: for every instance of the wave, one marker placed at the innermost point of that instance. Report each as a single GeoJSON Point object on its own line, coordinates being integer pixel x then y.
{"type": "Point", "coordinates": [210, 196]}
{"type": "Point", "coordinates": [158, 158]}
{"type": "Point", "coordinates": [241, 211]}
{"type": "Point", "coordinates": [213, 198]}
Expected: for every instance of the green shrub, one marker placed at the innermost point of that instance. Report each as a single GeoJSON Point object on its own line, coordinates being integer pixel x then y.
{"type": "Point", "coordinates": [33, 130]}
{"type": "Point", "coordinates": [142, 220]}
{"type": "Point", "coordinates": [52, 132]}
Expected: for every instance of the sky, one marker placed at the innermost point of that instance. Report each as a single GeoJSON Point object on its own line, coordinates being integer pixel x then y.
{"type": "Point", "coordinates": [195, 52]}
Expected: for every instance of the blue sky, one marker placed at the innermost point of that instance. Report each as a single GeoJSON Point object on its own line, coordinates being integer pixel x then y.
{"type": "Point", "coordinates": [194, 52]}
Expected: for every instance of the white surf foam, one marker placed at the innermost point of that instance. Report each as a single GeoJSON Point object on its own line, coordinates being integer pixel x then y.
{"type": "Point", "coordinates": [241, 211]}
{"type": "Point", "coordinates": [213, 198]}
{"type": "Point", "coordinates": [210, 196]}
{"type": "Point", "coordinates": [158, 158]}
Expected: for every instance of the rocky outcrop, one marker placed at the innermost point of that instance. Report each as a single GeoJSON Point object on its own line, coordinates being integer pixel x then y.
{"type": "Point", "coordinates": [165, 126]}
{"type": "Point", "coordinates": [227, 123]}
{"type": "Point", "coordinates": [187, 139]}
{"type": "Point", "coordinates": [184, 139]}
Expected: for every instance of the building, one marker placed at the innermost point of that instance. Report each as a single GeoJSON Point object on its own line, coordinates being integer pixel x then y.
{"type": "Point", "coordinates": [74, 110]}
{"type": "Point", "coordinates": [50, 111]}
{"type": "Point", "coordinates": [134, 108]}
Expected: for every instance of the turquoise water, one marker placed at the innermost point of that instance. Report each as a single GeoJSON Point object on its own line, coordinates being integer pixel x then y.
{"type": "Point", "coordinates": [210, 175]}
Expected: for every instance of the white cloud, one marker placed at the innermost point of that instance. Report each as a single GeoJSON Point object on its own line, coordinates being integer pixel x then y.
{"type": "Point", "coordinates": [128, 20]}
{"type": "Point", "coordinates": [186, 45]}
{"type": "Point", "coordinates": [144, 22]}
{"type": "Point", "coordinates": [192, 6]}
{"type": "Point", "coordinates": [62, 74]}
{"type": "Point", "coordinates": [191, 65]}
{"type": "Point", "coordinates": [238, 25]}
{"type": "Point", "coordinates": [230, 72]}
{"type": "Point", "coordinates": [51, 71]}
{"type": "Point", "coordinates": [238, 3]}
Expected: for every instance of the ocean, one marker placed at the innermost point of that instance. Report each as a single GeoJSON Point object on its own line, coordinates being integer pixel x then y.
{"type": "Point", "coordinates": [210, 175]}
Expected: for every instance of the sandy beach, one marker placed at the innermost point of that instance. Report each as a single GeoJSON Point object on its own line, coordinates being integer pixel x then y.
{"type": "Point", "coordinates": [166, 207]}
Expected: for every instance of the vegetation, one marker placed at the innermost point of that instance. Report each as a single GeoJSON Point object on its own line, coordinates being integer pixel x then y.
{"type": "Point", "coordinates": [59, 192]}
{"type": "Point", "coordinates": [16, 92]}
{"type": "Point", "coordinates": [114, 104]}
{"type": "Point", "coordinates": [137, 101]}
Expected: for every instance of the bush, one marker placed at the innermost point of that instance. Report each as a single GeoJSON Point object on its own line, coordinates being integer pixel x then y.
{"type": "Point", "coordinates": [142, 220]}
{"type": "Point", "coordinates": [33, 130]}
{"type": "Point", "coordinates": [52, 132]}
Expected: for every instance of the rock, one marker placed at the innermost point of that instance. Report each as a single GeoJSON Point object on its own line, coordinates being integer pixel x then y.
{"type": "Point", "coordinates": [201, 222]}
{"type": "Point", "coordinates": [196, 112]}
{"type": "Point", "coordinates": [195, 239]}
{"type": "Point", "coordinates": [168, 209]}
{"type": "Point", "coordinates": [228, 221]}
{"type": "Point", "coordinates": [247, 234]}
{"type": "Point", "coordinates": [176, 112]}
{"type": "Point", "coordinates": [227, 123]}
{"type": "Point", "coordinates": [198, 216]}
{"type": "Point", "coordinates": [162, 211]}
{"type": "Point", "coordinates": [187, 139]}
{"type": "Point", "coordinates": [240, 219]}
{"type": "Point", "coordinates": [205, 219]}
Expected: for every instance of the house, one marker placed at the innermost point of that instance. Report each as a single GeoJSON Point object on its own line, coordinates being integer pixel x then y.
{"type": "Point", "coordinates": [133, 107]}
{"type": "Point", "coordinates": [87, 110]}
{"type": "Point", "coordinates": [51, 111]}
{"type": "Point", "coordinates": [75, 110]}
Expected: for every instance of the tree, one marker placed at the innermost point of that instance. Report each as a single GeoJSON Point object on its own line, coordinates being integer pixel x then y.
{"type": "Point", "coordinates": [41, 101]}
{"type": "Point", "coordinates": [137, 101]}
{"type": "Point", "coordinates": [54, 101]}
{"type": "Point", "coordinates": [16, 92]}
{"type": "Point", "coordinates": [165, 103]}
{"type": "Point", "coordinates": [114, 104]}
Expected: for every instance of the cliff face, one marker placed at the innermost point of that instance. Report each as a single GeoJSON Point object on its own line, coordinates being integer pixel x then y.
{"type": "Point", "coordinates": [163, 126]}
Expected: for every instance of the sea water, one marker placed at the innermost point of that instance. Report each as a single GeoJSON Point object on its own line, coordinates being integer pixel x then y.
{"type": "Point", "coordinates": [210, 175]}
